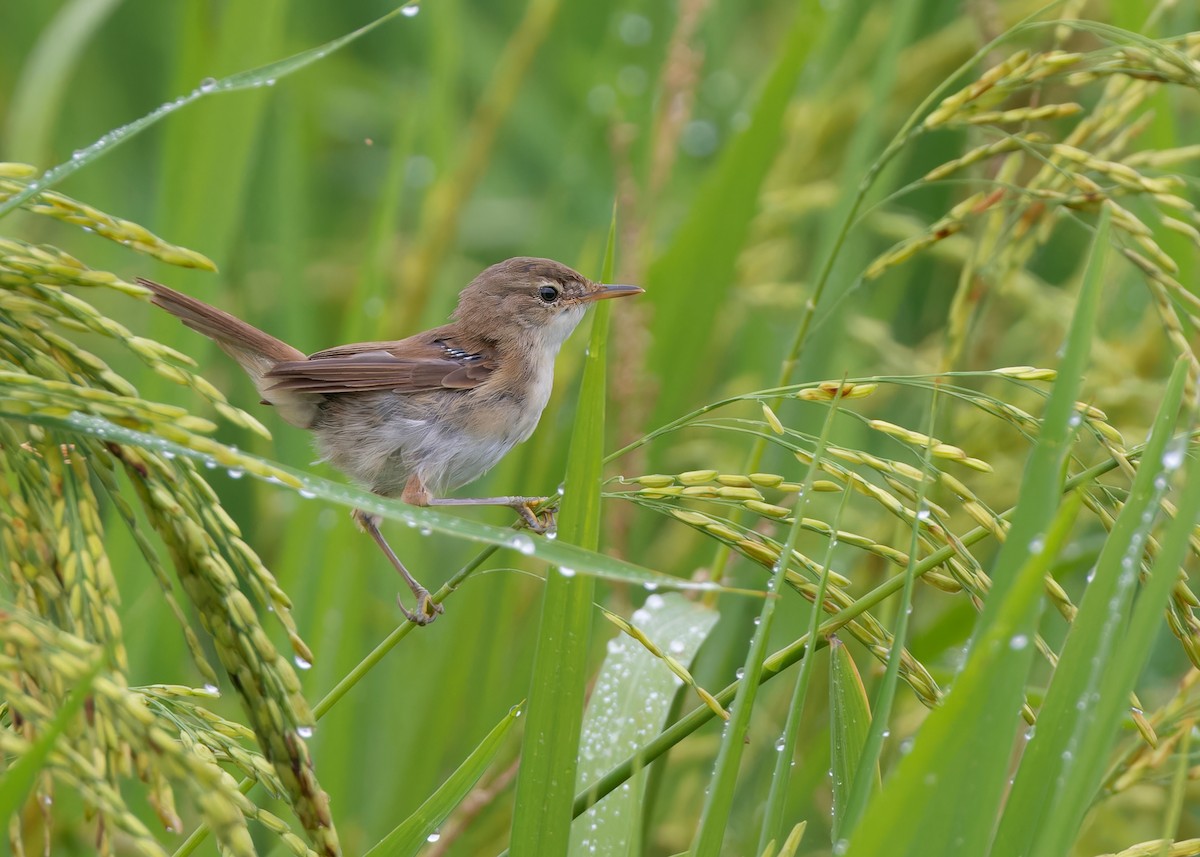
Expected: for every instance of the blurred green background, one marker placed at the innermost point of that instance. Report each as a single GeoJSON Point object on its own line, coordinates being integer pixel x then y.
{"type": "Point", "coordinates": [353, 200]}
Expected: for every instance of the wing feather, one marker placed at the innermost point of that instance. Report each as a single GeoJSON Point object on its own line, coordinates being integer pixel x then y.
{"type": "Point", "coordinates": [407, 366]}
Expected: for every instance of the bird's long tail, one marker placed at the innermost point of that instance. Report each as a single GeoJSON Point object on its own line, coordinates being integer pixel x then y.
{"type": "Point", "coordinates": [254, 350]}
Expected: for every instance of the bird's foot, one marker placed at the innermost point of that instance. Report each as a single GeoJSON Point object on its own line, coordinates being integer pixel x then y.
{"type": "Point", "coordinates": [427, 609]}
{"type": "Point", "coordinates": [540, 522]}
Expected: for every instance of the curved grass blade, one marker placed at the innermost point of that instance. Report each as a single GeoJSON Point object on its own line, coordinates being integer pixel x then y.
{"type": "Point", "coordinates": [265, 75]}
{"type": "Point", "coordinates": [546, 779]}
{"type": "Point", "coordinates": [963, 747]}
{"type": "Point", "coordinates": [408, 837]}
{"type": "Point", "coordinates": [214, 455]}
{"type": "Point", "coordinates": [631, 699]}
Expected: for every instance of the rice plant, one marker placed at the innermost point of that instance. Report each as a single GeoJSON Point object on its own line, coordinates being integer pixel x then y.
{"type": "Point", "coordinates": [877, 516]}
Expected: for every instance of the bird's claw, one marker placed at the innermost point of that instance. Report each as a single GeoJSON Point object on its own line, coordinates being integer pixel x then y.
{"type": "Point", "coordinates": [427, 609]}
{"type": "Point", "coordinates": [539, 522]}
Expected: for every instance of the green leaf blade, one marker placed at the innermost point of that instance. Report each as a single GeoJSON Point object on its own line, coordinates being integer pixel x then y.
{"type": "Point", "coordinates": [546, 779]}
{"type": "Point", "coordinates": [630, 701]}
{"type": "Point", "coordinates": [407, 838]}
{"type": "Point", "coordinates": [849, 723]}
{"type": "Point", "coordinates": [964, 746]}
{"type": "Point", "coordinates": [1062, 766]}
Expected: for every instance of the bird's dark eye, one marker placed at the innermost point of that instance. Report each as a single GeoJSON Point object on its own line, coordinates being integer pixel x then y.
{"type": "Point", "coordinates": [548, 293]}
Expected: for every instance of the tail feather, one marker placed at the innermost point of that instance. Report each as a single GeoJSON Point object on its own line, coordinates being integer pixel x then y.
{"type": "Point", "coordinates": [255, 351]}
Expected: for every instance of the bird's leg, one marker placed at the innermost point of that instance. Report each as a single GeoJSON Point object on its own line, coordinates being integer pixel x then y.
{"type": "Point", "coordinates": [427, 609]}
{"type": "Point", "coordinates": [416, 494]}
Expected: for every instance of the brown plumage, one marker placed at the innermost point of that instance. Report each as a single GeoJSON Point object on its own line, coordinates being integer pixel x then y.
{"type": "Point", "coordinates": [418, 416]}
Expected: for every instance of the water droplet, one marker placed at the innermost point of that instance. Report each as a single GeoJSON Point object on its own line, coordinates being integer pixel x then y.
{"type": "Point", "coordinates": [412, 12]}
{"type": "Point", "coordinates": [270, 81]}
{"type": "Point", "coordinates": [236, 473]}
{"type": "Point", "coordinates": [208, 84]}
{"type": "Point", "coordinates": [212, 690]}
{"type": "Point", "coordinates": [676, 647]}
{"type": "Point", "coordinates": [566, 572]}
{"type": "Point", "coordinates": [740, 673]}
{"type": "Point", "coordinates": [301, 663]}
{"type": "Point", "coordinates": [304, 731]}
{"type": "Point", "coordinates": [650, 586]}
{"type": "Point", "coordinates": [78, 155]}
{"type": "Point", "coordinates": [1037, 545]}
{"type": "Point", "coordinates": [168, 454]}
{"type": "Point", "coordinates": [655, 602]}
{"type": "Point", "coordinates": [523, 544]}
{"type": "Point", "coordinates": [45, 799]}
{"type": "Point", "coordinates": [425, 531]}
{"type": "Point", "coordinates": [436, 835]}
{"type": "Point", "coordinates": [306, 494]}
{"type": "Point", "coordinates": [1172, 459]}
{"type": "Point", "coordinates": [1018, 642]}
{"type": "Point", "coordinates": [923, 514]}
{"type": "Point", "coordinates": [780, 744]}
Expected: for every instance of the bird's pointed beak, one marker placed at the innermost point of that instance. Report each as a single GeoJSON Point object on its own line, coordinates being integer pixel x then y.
{"type": "Point", "coordinates": [604, 291]}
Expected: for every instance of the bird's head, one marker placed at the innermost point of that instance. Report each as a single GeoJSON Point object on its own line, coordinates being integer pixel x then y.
{"type": "Point", "coordinates": [529, 298]}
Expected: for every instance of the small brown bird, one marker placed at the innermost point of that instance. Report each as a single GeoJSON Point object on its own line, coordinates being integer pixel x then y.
{"type": "Point", "coordinates": [420, 416]}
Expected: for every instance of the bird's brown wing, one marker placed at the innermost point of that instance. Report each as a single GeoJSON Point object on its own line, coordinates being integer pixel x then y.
{"type": "Point", "coordinates": [409, 366]}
